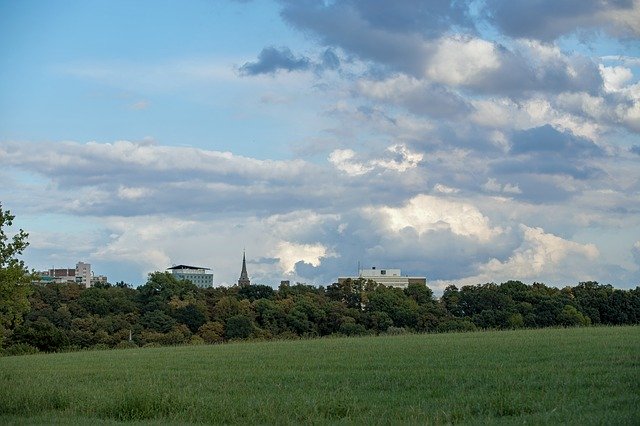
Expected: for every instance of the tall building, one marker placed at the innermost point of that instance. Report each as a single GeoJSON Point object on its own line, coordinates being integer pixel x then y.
{"type": "Point", "coordinates": [244, 277]}
{"type": "Point", "coordinates": [196, 274]}
{"type": "Point", "coordinates": [388, 277]}
{"type": "Point", "coordinates": [83, 274]}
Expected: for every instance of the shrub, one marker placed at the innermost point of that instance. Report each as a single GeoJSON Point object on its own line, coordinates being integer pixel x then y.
{"type": "Point", "coordinates": [21, 349]}
{"type": "Point", "coordinates": [396, 330]}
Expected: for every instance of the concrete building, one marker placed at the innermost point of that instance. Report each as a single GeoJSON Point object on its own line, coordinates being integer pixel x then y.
{"type": "Point", "coordinates": [196, 274]}
{"type": "Point", "coordinates": [83, 274]}
{"type": "Point", "coordinates": [388, 277]}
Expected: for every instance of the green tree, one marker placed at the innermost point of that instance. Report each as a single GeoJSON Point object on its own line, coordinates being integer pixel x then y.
{"type": "Point", "coordinates": [15, 280]}
{"type": "Point", "coordinates": [239, 327]}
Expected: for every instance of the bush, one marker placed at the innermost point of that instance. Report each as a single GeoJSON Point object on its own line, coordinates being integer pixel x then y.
{"type": "Point", "coordinates": [21, 349]}
{"type": "Point", "coordinates": [352, 329]}
{"type": "Point", "coordinates": [196, 340]}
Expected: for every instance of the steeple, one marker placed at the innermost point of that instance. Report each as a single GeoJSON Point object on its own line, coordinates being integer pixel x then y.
{"type": "Point", "coordinates": [244, 277]}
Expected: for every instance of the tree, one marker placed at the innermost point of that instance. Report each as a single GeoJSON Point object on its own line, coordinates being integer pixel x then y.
{"type": "Point", "coordinates": [239, 327]}
{"type": "Point", "coordinates": [14, 278]}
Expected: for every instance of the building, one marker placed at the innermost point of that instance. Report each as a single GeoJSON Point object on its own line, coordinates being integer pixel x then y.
{"type": "Point", "coordinates": [57, 275]}
{"type": "Point", "coordinates": [388, 277]}
{"type": "Point", "coordinates": [82, 274]}
{"type": "Point", "coordinates": [196, 274]}
{"type": "Point", "coordinates": [244, 277]}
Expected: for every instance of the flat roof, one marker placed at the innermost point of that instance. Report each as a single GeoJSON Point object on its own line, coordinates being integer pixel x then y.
{"type": "Point", "coordinates": [187, 267]}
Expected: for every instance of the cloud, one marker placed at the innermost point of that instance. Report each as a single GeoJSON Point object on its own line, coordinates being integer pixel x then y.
{"type": "Point", "coordinates": [547, 20]}
{"type": "Point", "coordinates": [289, 254]}
{"type": "Point", "coordinates": [546, 139]}
{"type": "Point", "coordinates": [541, 254]}
{"type": "Point", "coordinates": [418, 96]}
{"type": "Point", "coordinates": [444, 47]}
{"type": "Point", "coordinates": [426, 213]}
{"type": "Point", "coordinates": [272, 59]}
{"type": "Point", "coordinates": [399, 159]}
{"type": "Point", "coordinates": [443, 189]}
{"type": "Point", "coordinates": [492, 185]}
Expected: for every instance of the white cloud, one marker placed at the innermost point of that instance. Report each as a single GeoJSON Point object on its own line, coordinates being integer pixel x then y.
{"type": "Point", "coordinates": [462, 60]}
{"type": "Point", "coordinates": [289, 254]}
{"type": "Point", "coordinates": [615, 78]}
{"type": "Point", "coordinates": [345, 161]}
{"type": "Point", "coordinates": [427, 213]}
{"type": "Point", "coordinates": [443, 189]}
{"type": "Point", "coordinates": [541, 254]}
{"type": "Point", "coordinates": [399, 159]}
{"type": "Point", "coordinates": [492, 185]}
{"type": "Point", "coordinates": [133, 193]}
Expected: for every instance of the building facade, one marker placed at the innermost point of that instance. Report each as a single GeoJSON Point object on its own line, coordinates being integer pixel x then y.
{"type": "Point", "coordinates": [83, 274]}
{"type": "Point", "coordinates": [388, 277]}
{"type": "Point", "coordinates": [196, 274]}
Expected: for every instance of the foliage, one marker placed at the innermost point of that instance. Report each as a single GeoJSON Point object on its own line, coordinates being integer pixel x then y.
{"type": "Point", "coordinates": [238, 327]}
{"type": "Point", "coordinates": [14, 276]}
{"type": "Point", "coordinates": [167, 311]}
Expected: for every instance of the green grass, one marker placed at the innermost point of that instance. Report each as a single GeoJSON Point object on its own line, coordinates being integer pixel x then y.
{"type": "Point", "coordinates": [577, 376]}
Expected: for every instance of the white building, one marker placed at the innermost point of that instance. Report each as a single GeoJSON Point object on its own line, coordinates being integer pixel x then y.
{"type": "Point", "coordinates": [196, 274]}
{"type": "Point", "coordinates": [83, 274]}
{"type": "Point", "coordinates": [388, 277]}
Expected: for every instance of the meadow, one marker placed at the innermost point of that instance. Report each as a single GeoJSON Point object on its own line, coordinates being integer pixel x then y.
{"type": "Point", "coordinates": [574, 375]}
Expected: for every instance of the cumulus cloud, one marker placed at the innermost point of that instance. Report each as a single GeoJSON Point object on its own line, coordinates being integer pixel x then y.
{"type": "Point", "coordinates": [541, 254]}
{"type": "Point", "coordinates": [289, 254]}
{"type": "Point", "coordinates": [426, 213]}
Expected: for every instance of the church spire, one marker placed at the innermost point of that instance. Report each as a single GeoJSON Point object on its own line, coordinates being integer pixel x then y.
{"type": "Point", "coordinates": [244, 277]}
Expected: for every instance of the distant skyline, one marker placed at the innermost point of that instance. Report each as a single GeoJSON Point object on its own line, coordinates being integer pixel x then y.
{"type": "Point", "coordinates": [468, 141]}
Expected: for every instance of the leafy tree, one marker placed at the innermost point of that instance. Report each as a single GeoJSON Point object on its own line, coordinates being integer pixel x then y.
{"type": "Point", "coordinates": [255, 292]}
{"type": "Point", "coordinates": [571, 317]}
{"type": "Point", "coordinates": [239, 327]}
{"type": "Point", "coordinates": [158, 321]}
{"type": "Point", "coordinates": [191, 316]}
{"type": "Point", "coordinates": [420, 293]}
{"type": "Point", "coordinates": [14, 278]}
{"type": "Point", "coordinates": [211, 332]}
{"type": "Point", "coordinates": [41, 334]}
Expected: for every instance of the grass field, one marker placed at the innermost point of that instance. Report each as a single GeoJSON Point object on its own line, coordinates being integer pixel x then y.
{"type": "Point", "coordinates": [578, 376]}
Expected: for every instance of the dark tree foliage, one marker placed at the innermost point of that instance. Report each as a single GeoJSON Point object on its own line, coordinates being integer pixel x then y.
{"type": "Point", "coordinates": [255, 292]}
{"type": "Point", "coordinates": [166, 311]}
{"type": "Point", "coordinates": [238, 327]}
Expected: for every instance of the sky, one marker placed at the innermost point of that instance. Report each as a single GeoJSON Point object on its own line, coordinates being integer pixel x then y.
{"type": "Point", "coordinates": [468, 141]}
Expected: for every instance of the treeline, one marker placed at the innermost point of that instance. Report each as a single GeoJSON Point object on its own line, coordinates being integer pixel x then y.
{"type": "Point", "coordinates": [166, 311]}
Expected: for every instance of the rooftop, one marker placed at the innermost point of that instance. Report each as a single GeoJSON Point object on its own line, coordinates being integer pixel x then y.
{"type": "Point", "coordinates": [188, 267]}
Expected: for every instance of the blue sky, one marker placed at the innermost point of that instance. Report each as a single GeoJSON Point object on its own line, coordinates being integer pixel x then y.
{"type": "Point", "coordinates": [470, 141]}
